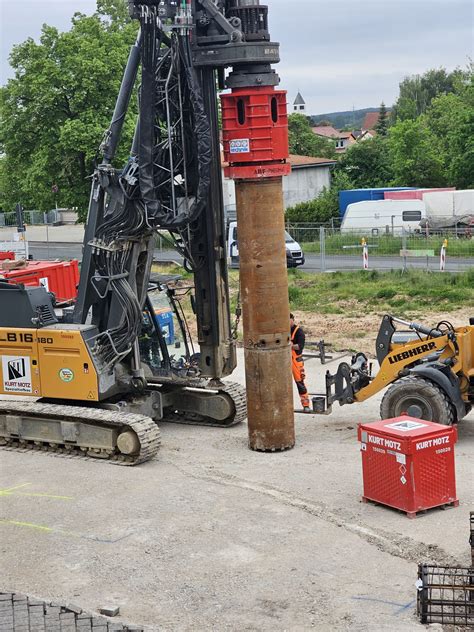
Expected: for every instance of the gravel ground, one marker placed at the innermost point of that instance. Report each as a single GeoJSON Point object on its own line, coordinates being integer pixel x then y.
{"type": "Point", "coordinates": [211, 536]}
{"type": "Point", "coordinates": [359, 331]}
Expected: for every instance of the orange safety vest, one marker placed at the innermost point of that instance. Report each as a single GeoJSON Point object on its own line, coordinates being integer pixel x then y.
{"type": "Point", "coordinates": [296, 353]}
{"type": "Point", "coordinates": [297, 369]}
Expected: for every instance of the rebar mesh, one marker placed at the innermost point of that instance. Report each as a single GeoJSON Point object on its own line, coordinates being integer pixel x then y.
{"type": "Point", "coordinates": [446, 595]}
{"type": "Point", "coordinates": [471, 537]}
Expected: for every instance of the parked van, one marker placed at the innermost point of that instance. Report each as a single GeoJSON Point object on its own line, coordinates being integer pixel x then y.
{"type": "Point", "coordinates": [294, 253]}
{"type": "Point", "coordinates": [383, 216]}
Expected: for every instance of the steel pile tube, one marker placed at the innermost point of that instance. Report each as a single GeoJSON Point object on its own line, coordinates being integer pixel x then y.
{"type": "Point", "coordinates": [266, 313]}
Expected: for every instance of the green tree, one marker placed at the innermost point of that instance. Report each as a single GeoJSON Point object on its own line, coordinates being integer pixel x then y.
{"type": "Point", "coordinates": [323, 123]}
{"type": "Point", "coordinates": [451, 119]}
{"type": "Point", "coordinates": [58, 105]}
{"type": "Point", "coordinates": [304, 142]}
{"type": "Point", "coordinates": [367, 163]}
{"type": "Point", "coordinates": [382, 124]}
{"type": "Point", "coordinates": [325, 207]}
{"type": "Point", "coordinates": [418, 91]}
{"type": "Point", "coordinates": [114, 11]}
{"type": "Point", "coordinates": [416, 155]}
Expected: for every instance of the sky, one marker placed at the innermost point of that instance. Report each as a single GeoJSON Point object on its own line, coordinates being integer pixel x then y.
{"type": "Point", "coordinates": [340, 54]}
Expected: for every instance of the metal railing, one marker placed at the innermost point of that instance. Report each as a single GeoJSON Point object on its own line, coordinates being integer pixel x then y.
{"type": "Point", "coordinates": [31, 218]}
{"type": "Point", "coordinates": [325, 248]}
{"type": "Point", "coordinates": [396, 248]}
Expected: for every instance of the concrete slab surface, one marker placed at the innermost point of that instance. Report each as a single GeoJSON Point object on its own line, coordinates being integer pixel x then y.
{"type": "Point", "coordinates": [211, 536]}
{"type": "Point", "coordinates": [22, 613]}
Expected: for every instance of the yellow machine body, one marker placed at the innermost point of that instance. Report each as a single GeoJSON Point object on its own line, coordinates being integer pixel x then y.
{"type": "Point", "coordinates": [50, 363]}
{"type": "Point", "coordinates": [404, 355]}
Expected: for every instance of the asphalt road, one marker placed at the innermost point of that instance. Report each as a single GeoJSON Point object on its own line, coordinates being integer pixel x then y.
{"type": "Point", "coordinates": [56, 250]}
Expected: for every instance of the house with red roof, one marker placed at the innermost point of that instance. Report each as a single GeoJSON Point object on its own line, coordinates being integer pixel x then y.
{"type": "Point", "coordinates": [370, 122]}
{"type": "Point", "coordinates": [343, 139]}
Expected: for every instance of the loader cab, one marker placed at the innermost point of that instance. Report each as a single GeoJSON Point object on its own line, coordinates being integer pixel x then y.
{"type": "Point", "coordinates": [294, 253]}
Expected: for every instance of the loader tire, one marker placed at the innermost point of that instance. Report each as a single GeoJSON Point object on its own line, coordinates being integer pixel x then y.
{"type": "Point", "coordinates": [417, 397]}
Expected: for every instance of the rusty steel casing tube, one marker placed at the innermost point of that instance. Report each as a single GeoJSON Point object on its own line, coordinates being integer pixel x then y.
{"type": "Point", "coordinates": [266, 313]}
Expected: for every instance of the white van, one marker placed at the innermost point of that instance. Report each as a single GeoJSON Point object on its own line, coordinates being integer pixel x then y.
{"type": "Point", "coordinates": [294, 253]}
{"type": "Point", "coordinates": [383, 216]}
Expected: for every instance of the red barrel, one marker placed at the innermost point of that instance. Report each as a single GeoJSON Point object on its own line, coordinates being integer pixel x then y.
{"type": "Point", "coordinates": [408, 463]}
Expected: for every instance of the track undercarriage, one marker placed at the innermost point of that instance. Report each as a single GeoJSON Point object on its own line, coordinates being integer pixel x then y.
{"type": "Point", "coordinates": [112, 431]}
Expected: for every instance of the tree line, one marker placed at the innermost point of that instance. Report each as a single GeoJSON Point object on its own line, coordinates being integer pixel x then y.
{"type": "Point", "coordinates": [56, 107]}
{"type": "Point", "coordinates": [54, 111]}
{"type": "Point", "coordinates": [427, 140]}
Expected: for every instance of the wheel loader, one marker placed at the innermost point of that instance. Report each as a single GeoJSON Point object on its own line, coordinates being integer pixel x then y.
{"type": "Point", "coordinates": [93, 380]}
{"type": "Point", "coordinates": [429, 372]}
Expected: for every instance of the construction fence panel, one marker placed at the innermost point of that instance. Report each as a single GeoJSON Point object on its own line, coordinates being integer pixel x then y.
{"type": "Point", "coordinates": [396, 248]}
{"type": "Point", "coordinates": [30, 218]}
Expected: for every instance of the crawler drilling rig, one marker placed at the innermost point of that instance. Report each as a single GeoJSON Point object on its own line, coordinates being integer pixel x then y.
{"type": "Point", "coordinates": [94, 380]}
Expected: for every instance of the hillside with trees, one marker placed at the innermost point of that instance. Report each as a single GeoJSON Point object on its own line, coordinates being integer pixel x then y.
{"type": "Point", "coordinates": [428, 141]}
{"type": "Point", "coordinates": [350, 119]}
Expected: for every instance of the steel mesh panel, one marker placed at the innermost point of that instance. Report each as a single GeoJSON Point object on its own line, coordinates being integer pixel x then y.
{"type": "Point", "coordinates": [446, 595]}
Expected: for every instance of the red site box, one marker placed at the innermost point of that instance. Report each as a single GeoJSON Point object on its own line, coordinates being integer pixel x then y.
{"type": "Point", "coordinates": [408, 463]}
{"type": "Point", "coordinates": [59, 277]}
{"type": "Point", "coordinates": [7, 255]}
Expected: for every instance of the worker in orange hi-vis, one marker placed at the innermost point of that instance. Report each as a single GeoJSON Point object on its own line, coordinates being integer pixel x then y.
{"type": "Point", "coordinates": [297, 364]}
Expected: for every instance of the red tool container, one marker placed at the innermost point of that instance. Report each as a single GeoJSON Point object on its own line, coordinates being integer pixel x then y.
{"type": "Point", "coordinates": [59, 277]}
{"type": "Point", "coordinates": [408, 463]}
{"type": "Point", "coordinates": [4, 255]}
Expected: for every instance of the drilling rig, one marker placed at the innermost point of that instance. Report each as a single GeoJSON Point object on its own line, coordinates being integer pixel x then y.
{"type": "Point", "coordinates": [95, 379]}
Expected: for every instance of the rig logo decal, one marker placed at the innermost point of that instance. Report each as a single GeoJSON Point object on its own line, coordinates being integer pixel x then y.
{"type": "Point", "coordinates": [66, 375]}
{"type": "Point", "coordinates": [240, 146]}
{"type": "Point", "coordinates": [16, 374]}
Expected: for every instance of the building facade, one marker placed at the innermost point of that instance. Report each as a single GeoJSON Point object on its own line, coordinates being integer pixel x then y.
{"type": "Point", "coordinates": [308, 177]}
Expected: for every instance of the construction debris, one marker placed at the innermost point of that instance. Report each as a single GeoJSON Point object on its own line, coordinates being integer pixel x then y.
{"type": "Point", "coordinates": [110, 611]}
{"type": "Point", "coordinates": [21, 613]}
{"type": "Point", "coordinates": [18, 264]}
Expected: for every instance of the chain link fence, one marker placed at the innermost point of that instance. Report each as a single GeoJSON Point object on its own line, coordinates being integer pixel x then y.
{"type": "Point", "coordinates": [394, 247]}
{"type": "Point", "coordinates": [31, 218]}
{"type": "Point", "coordinates": [325, 247]}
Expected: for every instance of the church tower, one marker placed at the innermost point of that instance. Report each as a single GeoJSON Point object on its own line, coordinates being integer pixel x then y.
{"type": "Point", "coordinates": [300, 104]}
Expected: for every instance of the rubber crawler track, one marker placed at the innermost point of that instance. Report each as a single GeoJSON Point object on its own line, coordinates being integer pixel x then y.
{"type": "Point", "coordinates": [235, 391]}
{"type": "Point", "coordinates": [146, 429]}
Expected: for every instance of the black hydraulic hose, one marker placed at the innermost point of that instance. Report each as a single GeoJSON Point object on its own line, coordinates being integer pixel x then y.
{"type": "Point", "coordinates": [155, 210]}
